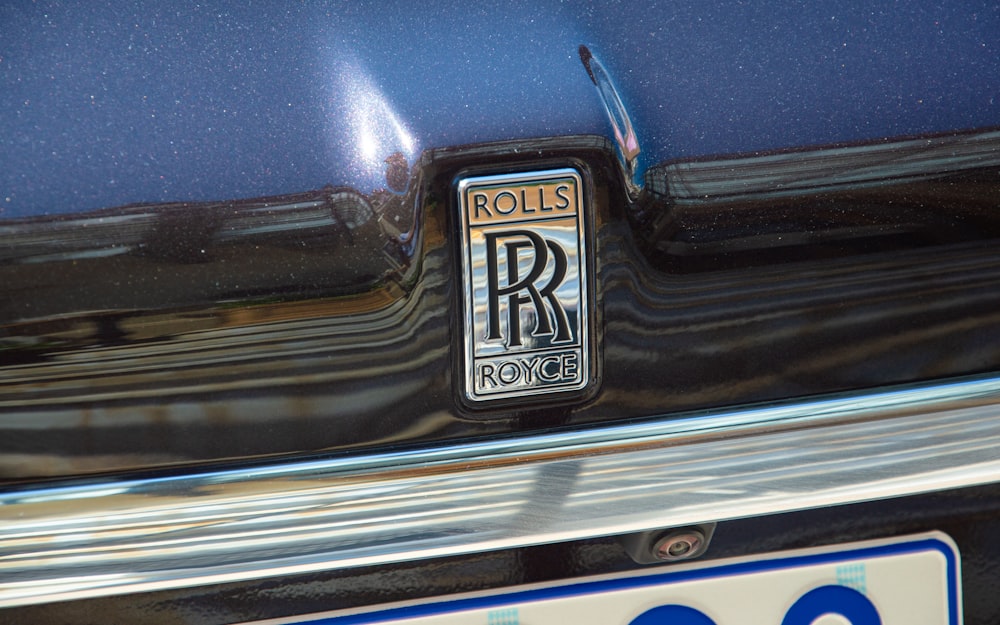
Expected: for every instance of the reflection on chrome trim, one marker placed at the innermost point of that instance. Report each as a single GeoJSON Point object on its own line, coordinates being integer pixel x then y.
{"type": "Point", "coordinates": [97, 539]}
{"type": "Point", "coordinates": [824, 169]}
{"type": "Point", "coordinates": [621, 124]}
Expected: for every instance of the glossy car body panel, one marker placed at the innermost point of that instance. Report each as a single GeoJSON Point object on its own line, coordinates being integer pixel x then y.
{"type": "Point", "coordinates": [229, 240]}
{"type": "Point", "coordinates": [365, 355]}
{"type": "Point", "coordinates": [111, 104]}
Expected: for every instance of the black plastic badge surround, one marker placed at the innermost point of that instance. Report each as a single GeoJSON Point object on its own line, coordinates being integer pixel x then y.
{"type": "Point", "coordinates": [526, 285]}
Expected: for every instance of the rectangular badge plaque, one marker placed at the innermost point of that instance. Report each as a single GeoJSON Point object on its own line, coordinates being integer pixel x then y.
{"type": "Point", "coordinates": [525, 285]}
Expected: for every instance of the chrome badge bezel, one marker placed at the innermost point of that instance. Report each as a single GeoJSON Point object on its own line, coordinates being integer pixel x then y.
{"type": "Point", "coordinates": [511, 350]}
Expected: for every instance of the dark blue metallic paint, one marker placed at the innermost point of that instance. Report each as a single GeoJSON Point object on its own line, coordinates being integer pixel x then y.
{"type": "Point", "coordinates": [143, 102]}
{"type": "Point", "coordinates": [110, 104]}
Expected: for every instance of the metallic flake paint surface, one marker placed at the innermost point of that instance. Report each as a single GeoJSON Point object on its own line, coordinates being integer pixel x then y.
{"type": "Point", "coordinates": [155, 357]}
{"type": "Point", "coordinates": [106, 104]}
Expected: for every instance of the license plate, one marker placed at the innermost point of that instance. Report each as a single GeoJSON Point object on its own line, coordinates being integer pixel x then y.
{"type": "Point", "coordinates": [912, 580]}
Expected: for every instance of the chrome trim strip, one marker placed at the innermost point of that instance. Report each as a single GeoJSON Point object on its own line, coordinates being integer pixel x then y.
{"type": "Point", "coordinates": [91, 540]}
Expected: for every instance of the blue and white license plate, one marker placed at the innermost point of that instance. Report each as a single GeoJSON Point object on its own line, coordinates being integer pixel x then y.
{"type": "Point", "coordinates": [912, 580]}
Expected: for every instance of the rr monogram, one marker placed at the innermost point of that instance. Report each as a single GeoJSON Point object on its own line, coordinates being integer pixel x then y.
{"type": "Point", "coordinates": [524, 290]}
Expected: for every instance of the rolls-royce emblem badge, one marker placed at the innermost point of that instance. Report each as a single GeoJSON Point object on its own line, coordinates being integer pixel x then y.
{"type": "Point", "coordinates": [525, 285]}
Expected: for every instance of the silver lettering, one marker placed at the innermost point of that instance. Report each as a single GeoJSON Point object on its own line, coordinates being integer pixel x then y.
{"type": "Point", "coordinates": [513, 373]}
{"type": "Point", "coordinates": [479, 202]}
{"type": "Point", "coordinates": [569, 364]}
{"type": "Point", "coordinates": [509, 209]}
{"type": "Point", "coordinates": [486, 373]}
{"type": "Point", "coordinates": [541, 200]}
{"type": "Point", "coordinates": [529, 367]}
{"type": "Point", "coordinates": [545, 373]}
{"type": "Point", "coordinates": [529, 371]}
{"type": "Point", "coordinates": [524, 202]}
{"type": "Point", "coordinates": [560, 193]}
